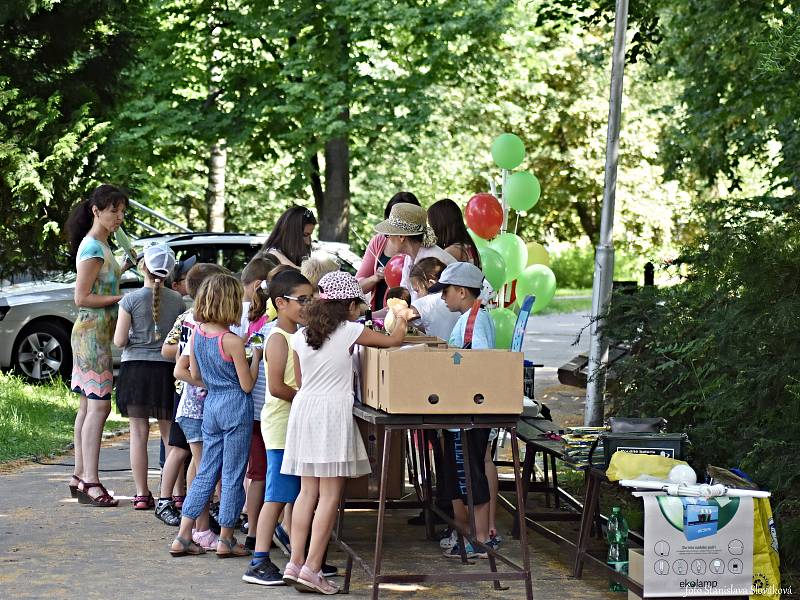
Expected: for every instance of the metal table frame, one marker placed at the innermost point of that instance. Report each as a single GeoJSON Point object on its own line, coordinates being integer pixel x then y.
{"type": "Point", "coordinates": [421, 466]}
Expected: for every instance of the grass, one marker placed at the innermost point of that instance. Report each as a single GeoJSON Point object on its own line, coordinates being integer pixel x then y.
{"type": "Point", "coordinates": [37, 420]}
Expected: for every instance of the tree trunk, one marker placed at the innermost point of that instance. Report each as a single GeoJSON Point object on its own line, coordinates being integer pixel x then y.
{"type": "Point", "coordinates": [316, 184]}
{"type": "Point", "coordinates": [334, 218]}
{"type": "Point", "coordinates": [215, 192]}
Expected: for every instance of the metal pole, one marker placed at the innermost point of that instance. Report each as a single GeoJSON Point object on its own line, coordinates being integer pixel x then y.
{"type": "Point", "coordinates": [604, 256]}
{"type": "Point", "coordinates": [158, 215]}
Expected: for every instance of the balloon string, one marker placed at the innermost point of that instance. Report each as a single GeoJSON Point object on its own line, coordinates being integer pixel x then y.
{"type": "Point", "coordinates": [516, 224]}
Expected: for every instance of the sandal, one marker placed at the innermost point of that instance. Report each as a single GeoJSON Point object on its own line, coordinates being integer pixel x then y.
{"type": "Point", "coordinates": [178, 501]}
{"type": "Point", "coordinates": [308, 581]}
{"type": "Point", "coordinates": [73, 489]}
{"type": "Point", "coordinates": [144, 502]}
{"type": "Point", "coordinates": [207, 539]}
{"type": "Point", "coordinates": [235, 549]}
{"type": "Point", "coordinates": [188, 548]}
{"type": "Point", "coordinates": [104, 499]}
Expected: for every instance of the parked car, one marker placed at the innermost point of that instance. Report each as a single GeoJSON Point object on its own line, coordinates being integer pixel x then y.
{"type": "Point", "coordinates": [36, 317]}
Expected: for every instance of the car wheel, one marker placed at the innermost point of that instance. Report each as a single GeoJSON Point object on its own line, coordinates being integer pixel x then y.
{"type": "Point", "coordinates": [42, 351]}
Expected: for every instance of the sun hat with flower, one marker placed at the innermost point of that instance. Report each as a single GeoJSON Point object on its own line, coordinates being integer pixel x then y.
{"type": "Point", "coordinates": [340, 285]}
{"type": "Point", "coordinates": [410, 220]}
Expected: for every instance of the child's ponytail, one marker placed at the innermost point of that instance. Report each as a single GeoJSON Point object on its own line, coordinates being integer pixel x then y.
{"type": "Point", "coordinates": [156, 308]}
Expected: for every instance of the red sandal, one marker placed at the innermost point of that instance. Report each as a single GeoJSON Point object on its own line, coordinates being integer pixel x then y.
{"type": "Point", "coordinates": [104, 500]}
{"type": "Point", "coordinates": [178, 501]}
{"type": "Point", "coordinates": [73, 489]}
{"type": "Point", "coordinates": [144, 502]}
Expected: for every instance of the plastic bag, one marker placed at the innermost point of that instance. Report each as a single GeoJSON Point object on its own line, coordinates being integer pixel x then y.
{"type": "Point", "coordinates": [626, 465]}
{"type": "Point", "coordinates": [766, 561]}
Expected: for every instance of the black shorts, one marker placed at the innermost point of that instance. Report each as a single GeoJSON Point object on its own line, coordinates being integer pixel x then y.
{"type": "Point", "coordinates": [453, 479]}
{"type": "Point", "coordinates": [176, 435]}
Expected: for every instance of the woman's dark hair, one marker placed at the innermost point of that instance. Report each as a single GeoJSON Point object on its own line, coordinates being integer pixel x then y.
{"type": "Point", "coordinates": [81, 218]}
{"type": "Point", "coordinates": [284, 283]}
{"type": "Point", "coordinates": [399, 198]}
{"type": "Point", "coordinates": [258, 268]}
{"type": "Point", "coordinates": [287, 235]}
{"type": "Point", "coordinates": [323, 317]}
{"type": "Point", "coordinates": [447, 222]}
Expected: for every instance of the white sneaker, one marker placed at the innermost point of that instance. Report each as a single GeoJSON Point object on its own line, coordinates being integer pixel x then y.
{"type": "Point", "coordinates": [449, 542]}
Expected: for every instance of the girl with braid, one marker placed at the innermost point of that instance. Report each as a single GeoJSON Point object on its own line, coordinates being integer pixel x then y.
{"type": "Point", "coordinates": [145, 385]}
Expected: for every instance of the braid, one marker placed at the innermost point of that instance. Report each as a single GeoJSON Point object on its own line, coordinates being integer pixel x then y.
{"type": "Point", "coordinates": [156, 308]}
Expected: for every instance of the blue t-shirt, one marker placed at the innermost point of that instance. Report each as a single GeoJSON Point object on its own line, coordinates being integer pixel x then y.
{"type": "Point", "coordinates": [482, 333]}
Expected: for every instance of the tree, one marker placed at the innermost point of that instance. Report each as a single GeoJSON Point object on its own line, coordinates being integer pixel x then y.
{"type": "Point", "coordinates": [56, 94]}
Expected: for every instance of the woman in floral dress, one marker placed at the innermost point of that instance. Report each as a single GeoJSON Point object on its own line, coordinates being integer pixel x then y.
{"type": "Point", "coordinates": [96, 295]}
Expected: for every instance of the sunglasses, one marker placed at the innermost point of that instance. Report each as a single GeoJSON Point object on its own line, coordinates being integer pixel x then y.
{"type": "Point", "coordinates": [301, 300]}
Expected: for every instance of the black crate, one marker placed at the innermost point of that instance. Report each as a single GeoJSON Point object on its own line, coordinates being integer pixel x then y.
{"type": "Point", "coordinates": [671, 445]}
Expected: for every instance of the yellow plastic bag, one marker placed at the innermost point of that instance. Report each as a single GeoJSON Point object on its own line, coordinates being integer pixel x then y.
{"type": "Point", "coordinates": [766, 561]}
{"type": "Point", "coordinates": [625, 465]}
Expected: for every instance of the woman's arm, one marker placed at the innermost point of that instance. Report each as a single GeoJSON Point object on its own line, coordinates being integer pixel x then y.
{"type": "Point", "coordinates": [123, 328]}
{"type": "Point", "coordinates": [277, 357]}
{"type": "Point", "coordinates": [233, 346]}
{"type": "Point", "coordinates": [88, 270]}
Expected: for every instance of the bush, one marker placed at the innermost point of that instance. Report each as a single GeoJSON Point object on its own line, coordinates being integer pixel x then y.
{"type": "Point", "coordinates": [717, 355]}
{"type": "Point", "coordinates": [574, 267]}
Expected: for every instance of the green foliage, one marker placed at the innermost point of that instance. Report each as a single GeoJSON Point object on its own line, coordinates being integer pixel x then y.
{"type": "Point", "coordinates": [574, 266]}
{"type": "Point", "coordinates": [717, 354]}
{"type": "Point", "coordinates": [37, 420]}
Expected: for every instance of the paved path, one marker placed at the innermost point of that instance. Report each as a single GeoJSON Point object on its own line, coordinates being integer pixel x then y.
{"type": "Point", "coordinates": [52, 547]}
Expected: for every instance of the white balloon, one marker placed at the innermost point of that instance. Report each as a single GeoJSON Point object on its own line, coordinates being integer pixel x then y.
{"type": "Point", "coordinates": [683, 474]}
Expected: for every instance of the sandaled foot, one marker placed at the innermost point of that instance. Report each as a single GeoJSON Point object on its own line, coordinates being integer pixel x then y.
{"type": "Point", "coordinates": [75, 481]}
{"type": "Point", "coordinates": [102, 499]}
{"type": "Point", "coordinates": [207, 539]}
{"type": "Point", "coordinates": [290, 573]}
{"type": "Point", "coordinates": [183, 547]}
{"type": "Point", "coordinates": [308, 581]}
{"type": "Point", "coordinates": [144, 502]}
{"type": "Point", "coordinates": [231, 549]}
{"type": "Point", "coordinates": [178, 501]}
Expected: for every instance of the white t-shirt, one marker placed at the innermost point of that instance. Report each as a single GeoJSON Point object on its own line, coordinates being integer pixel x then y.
{"type": "Point", "coordinates": [329, 370]}
{"type": "Point", "coordinates": [433, 251]}
{"type": "Point", "coordinates": [434, 315]}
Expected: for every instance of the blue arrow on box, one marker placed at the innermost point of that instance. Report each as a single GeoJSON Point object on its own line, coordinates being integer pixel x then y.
{"type": "Point", "coordinates": [456, 358]}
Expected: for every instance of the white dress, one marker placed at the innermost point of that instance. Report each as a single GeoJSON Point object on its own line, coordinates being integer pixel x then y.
{"type": "Point", "coordinates": [322, 439]}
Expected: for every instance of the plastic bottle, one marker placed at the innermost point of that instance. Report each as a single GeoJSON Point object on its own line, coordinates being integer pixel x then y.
{"type": "Point", "coordinates": [617, 547]}
{"type": "Point", "coordinates": [368, 319]}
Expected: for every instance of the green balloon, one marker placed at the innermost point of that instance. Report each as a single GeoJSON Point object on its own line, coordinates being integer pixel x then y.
{"type": "Point", "coordinates": [538, 281]}
{"type": "Point", "coordinates": [522, 191]}
{"type": "Point", "coordinates": [477, 240]}
{"type": "Point", "coordinates": [493, 266]}
{"type": "Point", "coordinates": [504, 322]}
{"type": "Point", "coordinates": [508, 151]}
{"type": "Point", "coordinates": [514, 253]}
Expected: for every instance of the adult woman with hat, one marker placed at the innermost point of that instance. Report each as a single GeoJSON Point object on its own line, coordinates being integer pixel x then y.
{"type": "Point", "coordinates": [407, 232]}
{"type": "Point", "coordinates": [370, 273]}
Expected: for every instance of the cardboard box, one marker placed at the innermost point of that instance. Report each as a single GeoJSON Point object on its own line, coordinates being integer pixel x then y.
{"type": "Point", "coordinates": [368, 486]}
{"type": "Point", "coordinates": [427, 340]}
{"type": "Point", "coordinates": [431, 380]}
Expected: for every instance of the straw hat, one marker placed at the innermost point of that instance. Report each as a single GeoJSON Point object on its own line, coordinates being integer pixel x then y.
{"type": "Point", "coordinates": [410, 220]}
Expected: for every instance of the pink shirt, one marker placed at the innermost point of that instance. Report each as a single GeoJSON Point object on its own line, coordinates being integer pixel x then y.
{"type": "Point", "coordinates": [367, 269]}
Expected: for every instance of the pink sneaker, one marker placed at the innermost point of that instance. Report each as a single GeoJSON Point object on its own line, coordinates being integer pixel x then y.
{"type": "Point", "coordinates": [290, 573]}
{"type": "Point", "coordinates": [308, 581]}
{"type": "Point", "coordinates": [207, 539]}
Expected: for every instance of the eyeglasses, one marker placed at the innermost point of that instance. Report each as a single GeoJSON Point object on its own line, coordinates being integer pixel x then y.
{"type": "Point", "coordinates": [301, 300]}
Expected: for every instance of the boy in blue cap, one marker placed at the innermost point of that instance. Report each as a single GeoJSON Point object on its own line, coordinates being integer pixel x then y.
{"type": "Point", "coordinates": [460, 285]}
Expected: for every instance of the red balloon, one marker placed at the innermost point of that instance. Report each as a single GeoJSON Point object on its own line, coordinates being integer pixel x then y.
{"type": "Point", "coordinates": [393, 271]}
{"type": "Point", "coordinates": [484, 215]}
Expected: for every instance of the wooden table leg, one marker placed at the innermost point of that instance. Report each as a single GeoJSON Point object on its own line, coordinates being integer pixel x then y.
{"type": "Point", "coordinates": [554, 474]}
{"type": "Point", "coordinates": [528, 472]}
{"type": "Point", "coordinates": [546, 471]}
{"type": "Point", "coordinates": [587, 518]}
{"type": "Point", "coordinates": [522, 495]}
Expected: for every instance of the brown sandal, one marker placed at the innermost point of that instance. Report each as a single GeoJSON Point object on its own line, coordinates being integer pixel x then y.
{"type": "Point", "coordinates": [73, 489]}
{"type": "Point", "coordinates": [104, 500]}
{"type": "Point", "coordinates": [188, 548]}
{"type": "Point", "coordinates": [235, 549]}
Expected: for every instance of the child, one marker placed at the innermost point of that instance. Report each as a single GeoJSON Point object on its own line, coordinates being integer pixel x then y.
{"type": "Point", "coordinates": [254, 318]}
{"type": "Point", "coordinates": [460, 286]}
{"type": "Point", "coordinates": [188, 404]}
{"type": "Point", "coordinates": [145, 386]}
{"type": "Point", "coordinates": [319, 264]}
{"type": "Point", "coordinates": [400, 293]}
{"type": "Point", "coordinates": [323, 445]}
{"type": "Point", "coordinates": [289, 292]}
{"type": "Point", "coordinates": [217, 362]}
{"type": "Point", "coordinates": [433, 315]}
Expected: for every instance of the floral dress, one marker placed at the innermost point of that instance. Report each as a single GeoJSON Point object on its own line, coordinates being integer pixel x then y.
{"type": "Point", "coordinates": [92, 372]}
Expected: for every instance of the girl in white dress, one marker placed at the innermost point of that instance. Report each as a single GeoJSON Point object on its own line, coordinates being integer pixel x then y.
{"type": "Point", "coordinates": [323, 445]}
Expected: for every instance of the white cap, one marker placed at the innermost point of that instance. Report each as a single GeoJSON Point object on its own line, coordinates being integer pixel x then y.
{"type": "Point", "coordinates": [159, 260]}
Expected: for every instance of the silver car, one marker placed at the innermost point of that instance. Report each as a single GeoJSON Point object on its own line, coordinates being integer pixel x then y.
{"type": "Point", "coordinates": [36, 317]}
